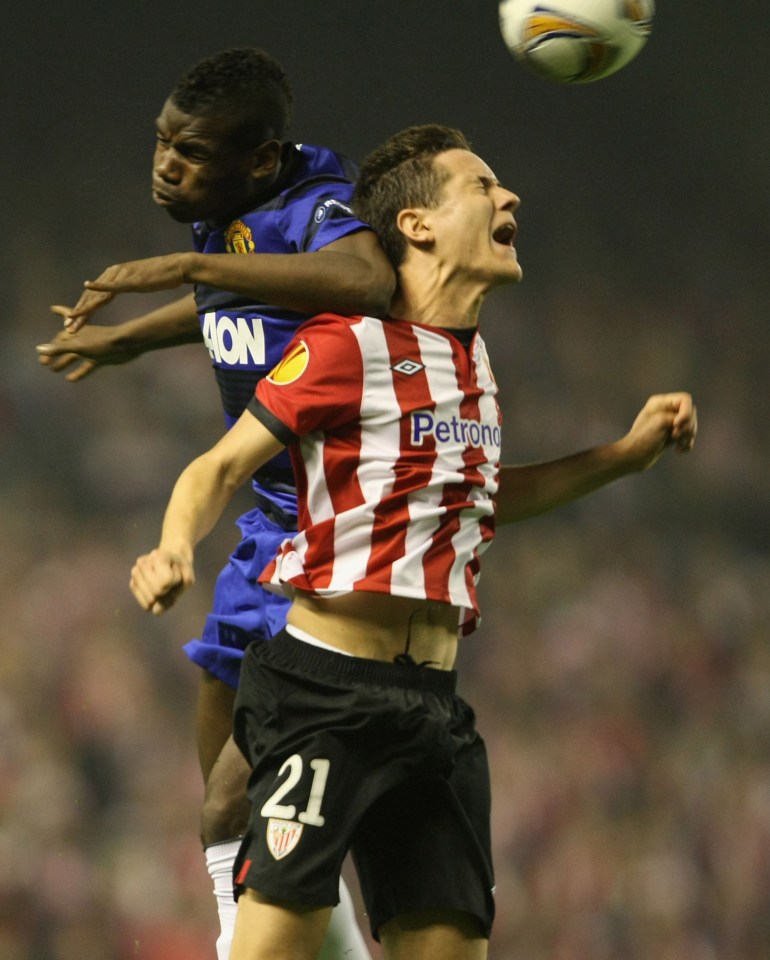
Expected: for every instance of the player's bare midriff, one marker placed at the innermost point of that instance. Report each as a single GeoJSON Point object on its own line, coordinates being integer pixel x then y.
{"type": "Point", "coordinates": [381, 626]}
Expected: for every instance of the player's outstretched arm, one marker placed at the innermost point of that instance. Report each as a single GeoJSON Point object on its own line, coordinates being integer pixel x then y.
{"type": "Point", "coordinates": [201, 493]}
{"type": "Point", "coordinates": [135, 276]}
{"type": "Point", "coordinates": [350, 276]}
{"type": "Point", "coordinates": [666, 420]}
{"type": "Point", "coordinates": [80, 353]}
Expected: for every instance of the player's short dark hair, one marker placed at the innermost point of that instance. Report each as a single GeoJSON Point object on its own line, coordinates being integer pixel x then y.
{"type": "Point", "coordinates": [245, 83]}
{"type": "Point", "coordinates": [399, 174]}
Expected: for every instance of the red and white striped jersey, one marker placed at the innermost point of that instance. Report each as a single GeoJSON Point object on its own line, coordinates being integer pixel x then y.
{"type": "Point", "coordinates": [395, 441]}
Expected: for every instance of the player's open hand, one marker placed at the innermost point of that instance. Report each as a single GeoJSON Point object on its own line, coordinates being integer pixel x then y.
{"type": "Point", "coordinates": [159, 578]}
{"type": "Point", "coordinates": [667, 419]}
{"type": "Point", "coordinates": [82, 352]}
{"type": "Point", "coordinates": [135, 276]}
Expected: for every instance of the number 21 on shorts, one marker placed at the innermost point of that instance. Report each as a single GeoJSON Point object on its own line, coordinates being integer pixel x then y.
{"type": "Point", "coordinates": [292, 769]}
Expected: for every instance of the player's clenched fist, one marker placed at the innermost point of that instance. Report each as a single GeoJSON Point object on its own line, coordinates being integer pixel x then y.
{"type": "Point", "coordinates": [158, 578]}
{"type": "Point", "coordinates": [667, 419]}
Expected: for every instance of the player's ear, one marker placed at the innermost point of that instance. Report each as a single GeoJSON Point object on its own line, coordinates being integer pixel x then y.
{"type": "Point", "coordinates": [415, 225]}
{"type": "Point", "coordinates": [266, 158]}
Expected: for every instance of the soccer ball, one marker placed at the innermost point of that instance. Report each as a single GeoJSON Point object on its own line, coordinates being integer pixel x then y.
{"type": "Point", "coordinates": [576, 41]}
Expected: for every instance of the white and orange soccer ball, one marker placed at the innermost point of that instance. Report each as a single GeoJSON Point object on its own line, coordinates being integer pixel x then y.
{"type": "Point", "coordinates": [576, 41]}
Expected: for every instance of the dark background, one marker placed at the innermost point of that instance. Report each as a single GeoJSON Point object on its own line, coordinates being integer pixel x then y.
{"type": "Point", "coordinates": [621, 675]}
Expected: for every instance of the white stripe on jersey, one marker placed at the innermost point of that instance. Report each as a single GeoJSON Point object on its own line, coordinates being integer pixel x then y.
{"type": "Point", "coordinates": [319, 504]}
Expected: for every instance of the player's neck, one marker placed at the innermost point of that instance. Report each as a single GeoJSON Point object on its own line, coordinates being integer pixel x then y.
{"type": "Point", "coordinates": [435, 310]}
{"type": "Point", "coordinates": [437, 301]}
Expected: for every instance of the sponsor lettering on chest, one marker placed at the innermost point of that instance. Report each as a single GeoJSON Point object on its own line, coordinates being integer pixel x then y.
{"type": "Point", "coordinates": [453, 430]}
{"type": "Point", "coordinates": [234, 340]}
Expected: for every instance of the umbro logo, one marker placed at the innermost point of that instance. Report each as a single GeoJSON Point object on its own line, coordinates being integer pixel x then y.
{"type": "Point", "coordinates": [407, 367]}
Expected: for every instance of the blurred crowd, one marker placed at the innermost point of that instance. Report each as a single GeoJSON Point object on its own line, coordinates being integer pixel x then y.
{"type": "Point", "coordinates": [620, 674]}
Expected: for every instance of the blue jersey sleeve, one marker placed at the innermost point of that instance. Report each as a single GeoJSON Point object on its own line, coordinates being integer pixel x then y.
{"type": "Point", "coordinates": [318, 217]}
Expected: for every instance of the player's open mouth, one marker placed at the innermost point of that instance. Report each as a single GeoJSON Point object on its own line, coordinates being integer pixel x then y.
{"type": "Point", "coordinates": [505, 234]}
{"type": "Point", "coordinates": [162, 198]}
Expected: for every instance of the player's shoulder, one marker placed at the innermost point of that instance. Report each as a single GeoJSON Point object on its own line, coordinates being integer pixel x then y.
{"type": "Point", "coordinates": [312, 172]}
{"type": "Point", "coordinates": [323, 349]}
{"type": "Point", "coordinates": [339, 338]}
{"type": "Point", "coordinates": [334, 324]}
{"type": "Point", "coordinates": [316, 185]}
{"type": "Point", "coordinates": [311, 160]}
{"type": "Point", "coordinates": [333, 333]}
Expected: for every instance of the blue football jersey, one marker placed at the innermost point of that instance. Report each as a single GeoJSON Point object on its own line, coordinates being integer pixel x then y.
{"type": "Point", "coordinates": [306, 209]}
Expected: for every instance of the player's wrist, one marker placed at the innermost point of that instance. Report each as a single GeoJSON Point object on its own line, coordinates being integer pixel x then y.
{"type": "Point", "coordinates": [127, 338]}
{"type": "Point", "coordinates": [189, 265]}
{"type": "Point", "coordinates": [177, 551]}
{"type": "Point", "coordinates": [623, 457]}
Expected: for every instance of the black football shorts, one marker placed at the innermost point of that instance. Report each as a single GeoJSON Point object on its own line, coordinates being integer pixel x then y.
{"type": "Point", "coordinates": [381, 759]}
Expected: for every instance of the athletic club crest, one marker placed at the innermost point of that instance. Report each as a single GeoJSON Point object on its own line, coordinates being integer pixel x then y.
{"type": "Point", "coordinates": [282, 837]}
{"type": "Point", "coordinates": [238, 238]}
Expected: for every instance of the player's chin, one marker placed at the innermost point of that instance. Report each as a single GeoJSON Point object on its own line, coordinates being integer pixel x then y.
{"type": "Point", "coordinates": [181, 215]}
{"type": "Point", "coordinates": [177, 211]}
{"type": "Point", "coordinates": [515, 273]}
{"type": "Point", "coordinates": [506, 257]}
{"type": "Point", "coordinates": [509, 269]}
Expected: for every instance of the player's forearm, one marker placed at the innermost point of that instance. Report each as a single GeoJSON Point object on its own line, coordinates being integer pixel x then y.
{"type": "Point", "coordinates": [306, 282]}
{"type": "Point", "coordinates": [171, 325]}
{"type": "Point", "coordinates": [197, 501]}
{"type": "Point", "coordinates": [532, 489]}
{"type": "Point", "coordinates": [666, 420]}
{"type": "Point", "coordinates": [205, 487]}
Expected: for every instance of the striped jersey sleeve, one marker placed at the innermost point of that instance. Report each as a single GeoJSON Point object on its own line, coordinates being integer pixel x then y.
{"type": "Point", "coordinates": [396, 457]}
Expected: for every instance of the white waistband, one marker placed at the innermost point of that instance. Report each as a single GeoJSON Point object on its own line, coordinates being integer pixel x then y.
{"type": "Point", "coordinates": [309, 638]}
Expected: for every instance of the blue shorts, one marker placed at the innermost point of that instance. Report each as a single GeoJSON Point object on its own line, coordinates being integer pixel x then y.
{"type": "Point", "coordinates": [242, 610]}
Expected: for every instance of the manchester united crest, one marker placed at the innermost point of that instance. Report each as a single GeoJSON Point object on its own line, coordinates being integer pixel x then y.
{"type": "Point", "coordinates": [282, 836]}
{"type": "Point", "coordinates": [238, 238]}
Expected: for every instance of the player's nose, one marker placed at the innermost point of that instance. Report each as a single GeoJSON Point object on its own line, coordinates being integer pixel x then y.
{"type": "Point", "coordinates": [165, 165]}
{"type": "Point", "coordinates": [508, 200]}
